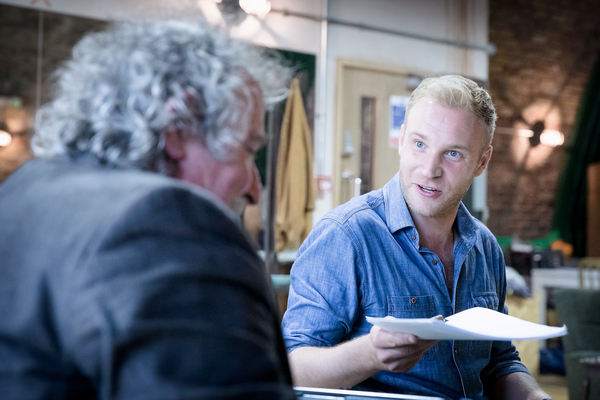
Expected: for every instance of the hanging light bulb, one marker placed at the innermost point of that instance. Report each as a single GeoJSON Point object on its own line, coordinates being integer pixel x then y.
{"type": "Point", "coordinates": [552, 138]}
{"type": "Point", "coordinates": [5, 138]}
{"type": "Point", "coordinates": [256, 7]}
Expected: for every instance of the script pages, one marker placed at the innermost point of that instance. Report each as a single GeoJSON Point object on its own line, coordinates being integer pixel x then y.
{"type": "Point", "coordinates": [473, 324]}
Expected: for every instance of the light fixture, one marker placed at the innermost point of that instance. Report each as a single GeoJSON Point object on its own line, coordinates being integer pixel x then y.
{"type": "Point", "coordinates": [513, 131]}
{"type": "Point", "coordinates": [525, 132]}
{"type": "Point", "coordinates": [537, 135]}
{"type": "Point", "coordinates": [256, 7]}
{"type": "Point", "coordinates": [5, 136]}
{"type": "Point", "coordinates": [552, 138]}
{"type": "Point", "coordinates": [536, 128]}
{"type": "Point", "coordinates": [548, 137]}
{"type": "Point", "coordinates": [234, 12]}
{"type": "Point", "coordinates": [231, 11]}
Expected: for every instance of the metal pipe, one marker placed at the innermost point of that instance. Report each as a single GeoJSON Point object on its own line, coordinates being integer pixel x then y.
{"type": "Point", "coordinates": [320, 138]}
{"type": "Point", "coordinates": [270, 195]}
{"type": "Point", "coordinates": [489, 49]}
{"type": "Point", "coordinates": [40, 55]}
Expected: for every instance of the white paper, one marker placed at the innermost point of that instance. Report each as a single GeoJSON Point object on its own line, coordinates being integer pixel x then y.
{"type": "Point", "coordinates": [473, 324]}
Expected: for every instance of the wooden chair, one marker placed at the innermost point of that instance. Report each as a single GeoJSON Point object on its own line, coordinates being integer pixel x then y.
{"type": "Point", "coordinates": [589, 273]}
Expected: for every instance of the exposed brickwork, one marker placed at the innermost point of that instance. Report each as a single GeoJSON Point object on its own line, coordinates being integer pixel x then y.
{"type": "Point", "coordinates": [19, 28]}
{"type": "Point", "coordinates": [546, 49]}
{"type": "Point", "coordinates": [19, 48]}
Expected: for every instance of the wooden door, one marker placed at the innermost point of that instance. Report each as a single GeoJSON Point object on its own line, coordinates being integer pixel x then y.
{"type": "Point", "coordinates": [369, 114]}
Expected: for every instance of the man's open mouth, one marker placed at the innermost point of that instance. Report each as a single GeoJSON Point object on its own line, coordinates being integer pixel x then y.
{"type": "Point", "coordinates": [428, 189]}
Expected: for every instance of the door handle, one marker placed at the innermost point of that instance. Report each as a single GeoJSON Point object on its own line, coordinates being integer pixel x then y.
{"type": "Point", "coordinates": [350, 178]}
{"type": "Point", "coordinates": [357, 183]}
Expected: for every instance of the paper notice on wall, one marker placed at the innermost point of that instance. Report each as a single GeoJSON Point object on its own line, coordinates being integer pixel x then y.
{"type": "Point", "coordinates": [472, 324]}
{"type": "Point", "coordinates": [397, 113]}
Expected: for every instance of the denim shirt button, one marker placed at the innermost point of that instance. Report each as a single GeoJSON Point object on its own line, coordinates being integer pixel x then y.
{"type": "Point", "coordinates": [413, 300]}
{"type": "Point", "coordinates": [434, 262]}
{"type": "Point", "coordinates": [413, 237]}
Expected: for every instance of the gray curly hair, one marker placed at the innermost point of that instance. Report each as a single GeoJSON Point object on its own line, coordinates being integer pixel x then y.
{"type": "Point", "coordinates": [125, 86]}
{"type": "Point", "coordinates": [455, 91]}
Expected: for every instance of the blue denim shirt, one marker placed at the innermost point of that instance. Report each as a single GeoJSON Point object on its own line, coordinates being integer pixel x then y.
{"type": "Point", "coordinates": [364, 259]}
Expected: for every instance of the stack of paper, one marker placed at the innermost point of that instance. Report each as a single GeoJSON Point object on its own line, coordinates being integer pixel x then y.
{"type": "Point", "coordinates": [473, 324]}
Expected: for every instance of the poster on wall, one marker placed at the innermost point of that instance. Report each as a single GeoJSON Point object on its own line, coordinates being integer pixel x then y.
{"type": "Point", "coordinates": [397, 112]}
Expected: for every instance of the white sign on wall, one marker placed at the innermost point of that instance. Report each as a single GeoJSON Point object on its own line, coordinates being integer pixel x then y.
{"type": "Point", "coordinates": [397, 113]}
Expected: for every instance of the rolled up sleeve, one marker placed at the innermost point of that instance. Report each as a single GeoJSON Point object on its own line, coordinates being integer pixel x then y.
{"type": "Point", "coordinates": [323, 301]}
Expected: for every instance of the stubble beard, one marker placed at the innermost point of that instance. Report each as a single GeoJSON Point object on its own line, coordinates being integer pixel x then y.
{"type": "Point", "coordinates": [441, 207]}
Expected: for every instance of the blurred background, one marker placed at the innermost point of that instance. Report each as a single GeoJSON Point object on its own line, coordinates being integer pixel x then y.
{"type": "Point", "coordinates": [357, 62]}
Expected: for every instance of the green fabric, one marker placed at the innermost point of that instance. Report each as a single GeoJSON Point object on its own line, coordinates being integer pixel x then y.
{"type": "Point", "coordinates": [578, 309]}
{"type": "Point", "coordinates": [504, 242]}
{"type": "Point", "coordinates": [538, 244]}
{"type": "Point", "coordinates": [545, 242]}
{"type": "Point", "coordinates": [584, 149]}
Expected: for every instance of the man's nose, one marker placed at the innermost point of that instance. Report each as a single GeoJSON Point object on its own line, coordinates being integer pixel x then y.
{"type": "Point", "coordinates": [432, 166]}
{"type": "Point", "coordinates": [253, 194]}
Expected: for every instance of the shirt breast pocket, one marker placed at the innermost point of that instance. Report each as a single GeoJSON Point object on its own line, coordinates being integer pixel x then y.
{"type": "Point", "coordinates": [413, 307]}
{"type": "Point", "coordinates": [483, 348]}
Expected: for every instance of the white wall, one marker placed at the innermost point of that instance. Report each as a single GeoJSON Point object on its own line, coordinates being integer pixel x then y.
{"type": "Point", "coordinates": [457, 20]}
{"type": "Point", "coordinates": [274, 30]}
{"type": "Point", "coordinates": [433, 18]}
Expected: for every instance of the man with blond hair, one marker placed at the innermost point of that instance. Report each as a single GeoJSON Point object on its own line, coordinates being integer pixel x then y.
{"type": "Point", "coordinates": [409, 250]}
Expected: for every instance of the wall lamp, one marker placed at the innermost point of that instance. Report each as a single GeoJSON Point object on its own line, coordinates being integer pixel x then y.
{"type": "Point", "coordinates": [537, 134]}
{"type": "Point", "coordinates": [255, 7]}
{"type": "Point", "coordinates": [5, 136]}
{"type": "Point", "coordinates": [549, 137]}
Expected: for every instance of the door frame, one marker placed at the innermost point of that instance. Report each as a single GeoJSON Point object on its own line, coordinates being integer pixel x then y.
{"type": "Point", "coordinates": [341, 66]}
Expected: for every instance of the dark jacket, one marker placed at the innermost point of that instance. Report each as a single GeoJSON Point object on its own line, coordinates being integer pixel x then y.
{"type": "Point", "coordinates": [129, 285]}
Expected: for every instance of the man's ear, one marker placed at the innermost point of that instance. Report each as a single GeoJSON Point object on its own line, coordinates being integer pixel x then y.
{"type": "Point", "coordinates": [484, 161]}
{"type": "Point", "coordinates": [401, 139]}
{"type": "Point", "coordinates": [175, 145]}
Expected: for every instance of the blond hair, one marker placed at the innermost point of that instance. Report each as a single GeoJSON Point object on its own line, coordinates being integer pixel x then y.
{"type": "Point", "coordinates": [455, 91]}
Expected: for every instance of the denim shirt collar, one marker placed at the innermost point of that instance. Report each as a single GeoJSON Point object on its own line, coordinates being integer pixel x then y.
{"type": "Point", "coordinates": [398, 217]}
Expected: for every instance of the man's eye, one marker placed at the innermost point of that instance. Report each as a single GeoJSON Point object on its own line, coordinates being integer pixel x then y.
{"type": "Point", "coordinates": [420, 144]}
{"type": "Point", "coordinates": [454, 154]}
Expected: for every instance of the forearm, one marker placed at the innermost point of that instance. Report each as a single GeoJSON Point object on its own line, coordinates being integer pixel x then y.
{"type": "Point", "coordinates": [336, 367]}
{"type": "Point", "coordinates": [518, 385]}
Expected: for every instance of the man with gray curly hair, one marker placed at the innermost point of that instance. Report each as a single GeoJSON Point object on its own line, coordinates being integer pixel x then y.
{"type": "Point", "coordinates": [124, 270]}
{"type": "Point", "coordinates": [409, 250]}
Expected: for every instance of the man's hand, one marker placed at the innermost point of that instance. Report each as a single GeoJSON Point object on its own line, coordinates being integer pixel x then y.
{"type": "Point", "coordinates": [397, 352]}
{"type": "Point", "coordinates": [352, 362]}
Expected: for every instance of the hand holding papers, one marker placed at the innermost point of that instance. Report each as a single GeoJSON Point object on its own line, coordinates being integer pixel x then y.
{"type": "Point", "coordinates": [472, 324]}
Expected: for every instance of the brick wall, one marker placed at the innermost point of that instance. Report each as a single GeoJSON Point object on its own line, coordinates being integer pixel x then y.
{"type": "Point", "coordinates": [19, 34]}
{"type": "Point", "coordinates": [545, 52]}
